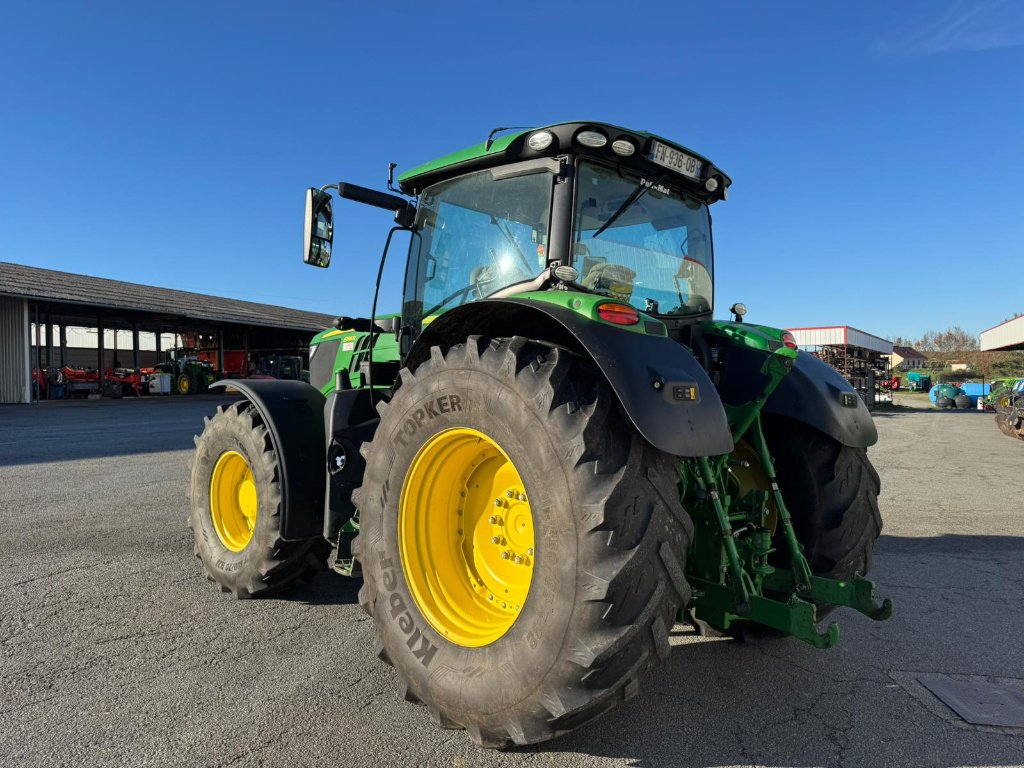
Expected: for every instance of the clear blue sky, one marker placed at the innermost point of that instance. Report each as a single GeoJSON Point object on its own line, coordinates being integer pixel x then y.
{"type": "Point", "coordinates": [877, 149]}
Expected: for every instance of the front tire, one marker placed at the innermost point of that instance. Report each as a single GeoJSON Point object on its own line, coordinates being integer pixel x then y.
{"type": "Point", "coordinates": [236, 509]}
{"type": "Point", "coordinates": [609, 532]}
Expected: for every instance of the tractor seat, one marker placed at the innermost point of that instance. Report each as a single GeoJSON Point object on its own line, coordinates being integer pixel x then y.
{"type": "Point", "coordinates": [362, 324]}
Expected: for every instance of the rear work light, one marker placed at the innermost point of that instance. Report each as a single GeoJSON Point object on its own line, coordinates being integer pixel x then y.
{"type": "Point", "coordinates": [788, 340]}
{"type": "Point", "coordinates": [592, 139]}
{"type": "Point", "coordinates": [620, 314]}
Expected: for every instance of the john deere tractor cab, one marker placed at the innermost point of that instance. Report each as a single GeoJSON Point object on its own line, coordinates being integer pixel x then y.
{"type": "Point", "coordinates": [554, 452]}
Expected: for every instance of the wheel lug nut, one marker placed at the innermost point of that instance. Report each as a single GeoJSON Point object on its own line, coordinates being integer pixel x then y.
{"type": "Point", "coordinates": [495, 539]}
{"type": "Point", "coordinates": [510, 493]}
{"type": "Point", "coordinates": [506, 555]}
{"type": "Point", "coordinates": [522, 497]}
{"type": "Point", "coordinates": [519, 559]}
{"type": "Point", "coordinates": [530, 551]}
{"type": "Point", "coordinates": [494, 520]}
{"type": "Point", "coordinates": [499, 503]}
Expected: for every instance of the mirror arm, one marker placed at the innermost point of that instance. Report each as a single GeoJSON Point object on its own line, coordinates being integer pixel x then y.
{"type": "Point", "coordinates": [404, 210]}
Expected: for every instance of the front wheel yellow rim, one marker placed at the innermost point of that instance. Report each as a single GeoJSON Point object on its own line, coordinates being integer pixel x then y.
{"type": "Point", "coordinates": [466, 537]}
{"type": "Point", "coordinates": [233, 501]}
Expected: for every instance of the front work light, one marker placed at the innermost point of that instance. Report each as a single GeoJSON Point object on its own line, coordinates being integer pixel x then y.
{"type": "Point", "coordinates": [623, 147]}
{"type": "Point", "coordinates": [789, 340]}
{"type": "Point", "coordinates": [711, 184]}
{"type": "Point", "coordinates": [593, 139]}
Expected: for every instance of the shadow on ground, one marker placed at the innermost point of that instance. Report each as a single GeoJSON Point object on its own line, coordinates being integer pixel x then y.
{"type": "Point", "coordinates": [69, 430]}
{"type": "Point", "coordinates": [780, 702]}
{"type": "Point", "coordinates": [904, 410]}
{"type": "Point", "coordinates": [328, 588]}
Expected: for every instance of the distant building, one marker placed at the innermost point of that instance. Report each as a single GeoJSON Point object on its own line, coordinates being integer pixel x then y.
{"type": "Point", "coordinates": [1007, 336]}
{"type": "Point", "coordinates": [861, 358]}
{"type": "Point", "coordinates": [907, 358]}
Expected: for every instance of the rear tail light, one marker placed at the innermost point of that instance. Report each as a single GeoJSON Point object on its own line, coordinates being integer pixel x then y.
{"type": "Point", "coordinates": [788, 340]}
{"type": "Point", "coordinates": [620, 314]}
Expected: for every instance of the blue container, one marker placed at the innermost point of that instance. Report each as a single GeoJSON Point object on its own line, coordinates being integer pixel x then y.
{"type": "Point", "coordinates": [975, 391]}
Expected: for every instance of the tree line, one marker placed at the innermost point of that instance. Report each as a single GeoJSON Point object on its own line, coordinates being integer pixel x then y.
{"type": "Point", "coordinates": [954, 339]}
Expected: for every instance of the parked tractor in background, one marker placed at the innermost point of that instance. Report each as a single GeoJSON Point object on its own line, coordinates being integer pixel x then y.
{"type": "Point", "coordinates": [189, 374]}
{"type": "Point", "coordinates": [1008, 401]}
{"type": "Point", "coordinates": [554, 452]}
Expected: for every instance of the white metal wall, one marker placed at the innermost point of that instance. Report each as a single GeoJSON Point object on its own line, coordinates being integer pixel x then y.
{"type": "Point", "coordinates": [818, 337]}
{"type": "Point", "coordinates": [14, 365]}
{"type": "Point", "coordinates": [869, 341]}
{"type": "Point", "coordinates": [840, 334]}
{"type": "Point", "coordinates": [88, 338]}
{"type": "Point", "coordinates": [1008, 334]}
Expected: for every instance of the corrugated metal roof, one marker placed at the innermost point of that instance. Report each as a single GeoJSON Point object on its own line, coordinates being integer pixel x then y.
{"type": "Point", "coordinates": [38, 284]}
{"type": "Point", "coordinates": [908, 353]}
{"type": "Point", "coordinates": [840, 334]}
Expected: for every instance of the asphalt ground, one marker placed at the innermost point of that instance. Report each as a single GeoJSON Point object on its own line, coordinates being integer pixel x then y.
{"type": "Point", "coordinates": [114, 650]}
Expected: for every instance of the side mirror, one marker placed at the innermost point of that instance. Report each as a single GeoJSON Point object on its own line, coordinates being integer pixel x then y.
{"type": "Point", "coordinates": [319, 234]}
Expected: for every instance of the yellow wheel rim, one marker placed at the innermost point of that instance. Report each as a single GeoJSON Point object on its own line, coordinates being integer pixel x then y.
{"type": "Point", "coordinates": [465, 533]}
{"type": "Point", "coordinates": [753, 478]}
{"type": "Point", "coordinates": [233, 500]}
{"type": "Point", "coordinates": [183, 385]}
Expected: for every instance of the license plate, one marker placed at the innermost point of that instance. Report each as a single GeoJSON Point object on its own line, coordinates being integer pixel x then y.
{"type": "Point", "coordinates": [667, 157]}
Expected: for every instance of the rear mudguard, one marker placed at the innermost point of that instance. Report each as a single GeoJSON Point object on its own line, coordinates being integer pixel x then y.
{"type": "Point", "coordinates": [351, 420]}
{"type": "Point", "coordinates": [661, 386]}
{"type": "Point", "coordinates": [294, 414]}
{"type": "Point", "coordinates": [813, 393]}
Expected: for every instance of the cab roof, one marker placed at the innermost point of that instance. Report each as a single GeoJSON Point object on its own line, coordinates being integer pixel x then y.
{"type": "Point", "coordinates": [512, 146]}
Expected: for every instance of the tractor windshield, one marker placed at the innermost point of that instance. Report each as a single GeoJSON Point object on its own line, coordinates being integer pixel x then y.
{"type": "Point", "coordinates": [476, 235]}
{"type": "Point", "coordinates": [641, 241]}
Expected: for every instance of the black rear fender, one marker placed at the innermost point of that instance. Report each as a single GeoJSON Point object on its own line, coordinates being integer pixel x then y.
{"type": "Point", "coordinates": [293, 412]}
{"type": "Point", "coordinates": [812, 393]}
{"type": "Point", "coordinates": [652, 376]}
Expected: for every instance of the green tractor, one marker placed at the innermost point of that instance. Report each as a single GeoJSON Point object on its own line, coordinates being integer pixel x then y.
{"type": "Point", "coordinates": [189, 374]}
{"type": "Point", "coordinates": [554, 452]}
{"type": "Point", "coordinates": [1007, 399]}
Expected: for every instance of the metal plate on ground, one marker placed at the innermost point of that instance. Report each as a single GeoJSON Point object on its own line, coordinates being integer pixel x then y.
{"type": "Point", "coordinates": [978, 702]}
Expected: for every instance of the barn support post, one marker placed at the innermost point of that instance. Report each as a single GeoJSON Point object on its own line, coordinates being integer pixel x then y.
{"type": "Point", "coordinates": [100, 351]}
{"type": "Point", "coordinates": [49, 341]}
{"type": "Point", "coordinates": [135, 346]}
{"type": "Point", "coordinates": [35, 348]}
{"type": "Point", "coordinates": [63, 344]}
{"type": "Point", "coordinates": [220, 352]}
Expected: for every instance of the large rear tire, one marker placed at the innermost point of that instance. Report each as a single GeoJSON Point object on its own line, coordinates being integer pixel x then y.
{"type": "Point", "coordinates": [1003, 422]}
{"type": "Point", "coordinates": [599, 504]}
{"type": "Point", "coordinates": [236, 509]}
{"type": "Point", "coordinates": [831, 490]}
